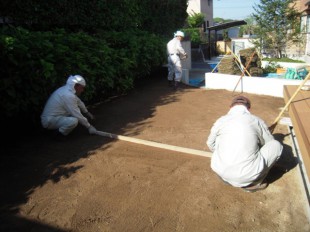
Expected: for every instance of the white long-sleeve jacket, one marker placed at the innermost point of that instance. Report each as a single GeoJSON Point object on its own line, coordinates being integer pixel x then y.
{"type": "Point", "coordinates": [174, 46]}
{"type": "Point", "coordinates": [64, 102]}
{"type": "Point", "coordinates": [235, 140]}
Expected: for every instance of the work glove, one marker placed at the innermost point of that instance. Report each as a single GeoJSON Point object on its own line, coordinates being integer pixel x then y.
{"type": "Point", "coordinates": [183, 57]}
{"type": "Point", "coordinates": [89, 115]}
{"type": "Point", "coordinates": [92, 130]}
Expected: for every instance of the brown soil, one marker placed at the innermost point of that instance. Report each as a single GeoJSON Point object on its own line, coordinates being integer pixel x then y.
{"type": "Point", "coordinates": [92, 183]}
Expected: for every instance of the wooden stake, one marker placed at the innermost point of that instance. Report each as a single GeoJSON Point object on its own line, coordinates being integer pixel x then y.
{"type": "Point", "coordinates": [239, 62]}
{"type": "Point", "coordinates": [245, 69]}
{"type": "Point", "coordinates": [155, 144]}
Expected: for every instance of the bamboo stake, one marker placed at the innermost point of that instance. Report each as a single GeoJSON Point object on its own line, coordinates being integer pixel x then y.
{"type": "Point", "coordinates": [155, 144]}
{"type": "Point", "coordinates": [217, 64]}
{"type": "Point", "coordinates": [273, 126]}
{"type": "Point", "coordinates": [238, 59]}
{"type": "Point", "coordinates": [241, 64]}
{"type": "Point", "coordinates": [244, 70]}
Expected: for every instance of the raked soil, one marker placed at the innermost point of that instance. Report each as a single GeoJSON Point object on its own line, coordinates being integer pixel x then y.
{"type": "Point", "coordinates": [93, 183]}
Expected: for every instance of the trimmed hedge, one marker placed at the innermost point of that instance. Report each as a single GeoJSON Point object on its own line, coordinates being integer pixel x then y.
{"type": "Point", "coordinates": [33, 64]}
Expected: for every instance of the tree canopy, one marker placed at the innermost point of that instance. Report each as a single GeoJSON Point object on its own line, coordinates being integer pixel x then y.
{"type": "Point", "coordinates": [277, 24]}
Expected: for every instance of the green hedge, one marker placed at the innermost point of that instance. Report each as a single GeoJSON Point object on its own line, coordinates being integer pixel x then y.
{"type": "Point", "coordinates": [33, 64]}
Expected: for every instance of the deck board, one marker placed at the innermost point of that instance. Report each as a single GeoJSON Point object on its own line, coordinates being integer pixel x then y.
{"type": "Point", "coordinates": [299, 111]}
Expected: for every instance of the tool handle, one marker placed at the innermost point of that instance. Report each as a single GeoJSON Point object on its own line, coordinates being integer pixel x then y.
{"type": "Point", "coordinates": [271, 128]}
{"type": "Point", "coordinates": [243, 72]}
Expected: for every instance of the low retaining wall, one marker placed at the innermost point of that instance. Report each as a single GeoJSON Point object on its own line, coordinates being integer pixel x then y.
{"type": "Point", "coordinates": [255, 85]}
{"type": "Point", "coordinates": [285, 64]}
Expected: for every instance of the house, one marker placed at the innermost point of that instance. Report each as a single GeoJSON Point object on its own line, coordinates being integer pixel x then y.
{"type": "Point", "coordinates": [303, 6]}
{"type": "Point", "coordinates": [202, 6]}
{"type": "Point", "coordinates": [298, 50]}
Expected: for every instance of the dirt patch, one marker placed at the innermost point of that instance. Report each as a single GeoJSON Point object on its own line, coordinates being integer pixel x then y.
{"type": "Point", "coordinates": [93, 183]}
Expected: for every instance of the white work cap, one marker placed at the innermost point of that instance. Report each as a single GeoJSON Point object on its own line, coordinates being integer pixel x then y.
{"type": "Point", "coordinates": [76, 79]}
{"type": "Point", "coordinates": [179, 33]}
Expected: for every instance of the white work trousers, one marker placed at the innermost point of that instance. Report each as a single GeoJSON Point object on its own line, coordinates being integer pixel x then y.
{"type": "Point", "coordinates": [271, 152]}
{"type": "Point", "coordinates": [174, 67]}
{"type": "Point", "coordinates": [64, 124]}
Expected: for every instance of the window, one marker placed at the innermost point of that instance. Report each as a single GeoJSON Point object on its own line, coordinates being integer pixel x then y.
{"type": "Point", "coordinates": [305, 24]}
{"type": "Point", "coordinates": [308, 24]}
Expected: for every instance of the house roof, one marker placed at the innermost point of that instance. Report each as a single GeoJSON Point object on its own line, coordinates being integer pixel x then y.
{"type": "Point", "coordinates": [227, 25]}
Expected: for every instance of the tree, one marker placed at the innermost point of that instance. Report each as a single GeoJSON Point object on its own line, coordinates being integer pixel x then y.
{"type": "Point", "coordinates": [277, 24]}
{"type": "Point", "coordinates": [221, 20]}
{"type": "Point", "coordinates": [249, 28]}
{"type": "Point", "coordinates": [195, 20]}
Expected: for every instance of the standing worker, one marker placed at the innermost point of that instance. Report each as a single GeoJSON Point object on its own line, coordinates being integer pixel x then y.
{"type": "Point", "coordinates": [243, 148]}
{"type": "Point", "coordinates": [174, 51]}
{"type": "Point", "coordinates": [63, 110]}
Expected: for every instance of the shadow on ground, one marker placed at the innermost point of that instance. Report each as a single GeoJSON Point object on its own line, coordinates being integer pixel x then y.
{"type": "Point", "coordinates": [286, 162]}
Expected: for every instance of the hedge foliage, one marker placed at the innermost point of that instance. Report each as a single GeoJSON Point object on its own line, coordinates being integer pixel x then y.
{"type": "Point", "coordinates": [160, 16]}
{"type": "Point", "coordinates": [33, 64]}
{"type": "Point", "coordinates": [111, 43]}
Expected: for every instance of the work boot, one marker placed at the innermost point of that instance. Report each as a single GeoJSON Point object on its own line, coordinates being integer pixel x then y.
{"type": "Point", "coordinates": [255, 188]}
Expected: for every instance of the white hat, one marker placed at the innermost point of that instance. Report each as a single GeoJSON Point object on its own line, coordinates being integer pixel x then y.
{"type": "Point", "coordinates": [179, 33]}
{"type": "Point", "coordinates": [77, 79]}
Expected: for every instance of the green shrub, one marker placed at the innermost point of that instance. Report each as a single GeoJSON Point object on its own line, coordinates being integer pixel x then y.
{"type": "Point", "coordinates": [195, 36]}
{"type": "Point", "coordinates": [33, 64]}
{"type": "Point", "coordinates": [271, 67]}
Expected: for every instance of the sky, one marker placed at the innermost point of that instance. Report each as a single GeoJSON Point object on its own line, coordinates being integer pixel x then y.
{"type": "Point", "coordinates": [233, 9]}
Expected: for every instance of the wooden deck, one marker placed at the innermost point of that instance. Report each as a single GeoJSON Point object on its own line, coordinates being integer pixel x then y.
{"type": "Point", "coordinates": [299, 112]}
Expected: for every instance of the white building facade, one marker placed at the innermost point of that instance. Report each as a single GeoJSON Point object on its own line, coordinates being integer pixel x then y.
{"type": "Point", "coordinates": [202, 6]}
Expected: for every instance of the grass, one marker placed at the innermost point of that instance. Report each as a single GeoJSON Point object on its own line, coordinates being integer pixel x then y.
{"type": "Point", "coordinates": [285, 59]}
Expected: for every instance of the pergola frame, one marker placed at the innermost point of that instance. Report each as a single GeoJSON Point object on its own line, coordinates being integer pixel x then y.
{"type": "Point", "coordinates": [219, 27]}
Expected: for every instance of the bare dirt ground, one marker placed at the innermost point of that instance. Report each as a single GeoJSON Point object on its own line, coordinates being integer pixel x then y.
{"type": "Point", "coordinates": [92, 183]}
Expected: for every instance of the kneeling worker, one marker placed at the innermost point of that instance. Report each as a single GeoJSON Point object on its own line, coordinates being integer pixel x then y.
{"type": "Point", "coordinates": [63, 110]}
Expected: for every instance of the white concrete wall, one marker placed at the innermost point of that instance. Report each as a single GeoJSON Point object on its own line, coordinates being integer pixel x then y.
{"type": "Point", "coordinates": [255, 85]}
{"type": "Point", "coordinates": [238, 44]}
{"type": "Point", "coordinates": [185, 76]}
{"type": "Point", "coordinates": [187, 63]}
{"type": "Point", "coordinates": [285, 64]}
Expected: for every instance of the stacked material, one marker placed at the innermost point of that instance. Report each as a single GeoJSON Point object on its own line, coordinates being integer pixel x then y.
{"type": "Point", "coordinates": [254, 67]}
{"type": "Point", "coordinates": [256, 72]}
{"type": "Point", "coordinates": [228, 65]}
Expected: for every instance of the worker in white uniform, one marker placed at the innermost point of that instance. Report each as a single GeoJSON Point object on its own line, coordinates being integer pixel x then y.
{"type": "Point", "coordinates": [174, 52]}
{"type": "Point", "coordinates": [63, 110]}
{"type": "Point", "coordinates": [243, 148]}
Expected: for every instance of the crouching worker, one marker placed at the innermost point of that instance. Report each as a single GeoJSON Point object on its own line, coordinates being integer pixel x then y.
{"type": "Point", "coordinates": [63, 110]}
{"type": "Point", "coordinates": [243, 148]}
